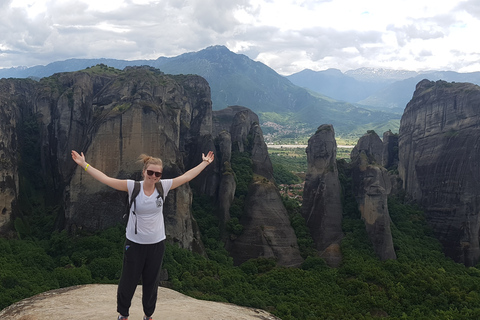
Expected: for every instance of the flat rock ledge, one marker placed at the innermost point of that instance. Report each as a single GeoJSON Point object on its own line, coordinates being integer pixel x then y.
{"type": "Point", "coordinates": [99, 302]}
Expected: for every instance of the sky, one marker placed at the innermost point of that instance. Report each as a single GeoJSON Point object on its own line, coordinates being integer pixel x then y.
{"type": "Point", "coordinates": [286, 35]}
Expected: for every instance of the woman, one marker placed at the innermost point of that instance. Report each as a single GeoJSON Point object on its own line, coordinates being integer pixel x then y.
{"type": "Point", "coordinates": [145, 232]}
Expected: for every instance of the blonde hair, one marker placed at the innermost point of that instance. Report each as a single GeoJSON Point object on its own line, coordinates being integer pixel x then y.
{"type": "Point", "coordinates": [148, 160]}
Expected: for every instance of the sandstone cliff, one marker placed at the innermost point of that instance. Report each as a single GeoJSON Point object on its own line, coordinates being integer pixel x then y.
{"type": "Point", "coordinates": [439, 153]}
{"type": "Point", "coordinates": [371, 187]}
{"type": "Point", "coordinates": [322, 207]}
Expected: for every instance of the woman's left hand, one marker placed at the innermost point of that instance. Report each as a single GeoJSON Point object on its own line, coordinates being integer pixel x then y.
{"type": "Point", "coordinates": [209, 157]}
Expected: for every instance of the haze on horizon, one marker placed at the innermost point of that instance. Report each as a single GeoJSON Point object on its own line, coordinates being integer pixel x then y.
{"type": "Point", "coordinates": [286, 35]}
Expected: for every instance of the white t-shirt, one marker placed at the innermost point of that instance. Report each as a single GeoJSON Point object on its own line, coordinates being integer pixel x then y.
{"type": "Point", "coordinates": [148, 215]}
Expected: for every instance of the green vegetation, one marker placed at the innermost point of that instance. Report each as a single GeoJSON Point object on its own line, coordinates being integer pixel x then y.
{"type": "Point", "coordinates": [289, 165]}
{"type": "Point", "coordinates": [103, 69]}
{"type": "Point", "coordinates": [420, 284]}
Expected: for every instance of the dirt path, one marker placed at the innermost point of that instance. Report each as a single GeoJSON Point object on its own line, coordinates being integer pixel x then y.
{"type": "Point", "coordinates": [99, 302]}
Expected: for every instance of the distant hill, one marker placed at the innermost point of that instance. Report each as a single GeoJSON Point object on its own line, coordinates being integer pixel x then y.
{"type": "Point", "coordinates": [235, 79]}
{"type": "Point", "coordinates": [335, 84]}
{"type": "Point", "coordinates": [374, 89]}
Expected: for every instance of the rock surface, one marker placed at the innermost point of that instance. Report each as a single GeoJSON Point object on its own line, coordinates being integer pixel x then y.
{"type": "Point", "coordinates": [371, 187]}
{"type": "Point", "coordinates": [9, 144]}
{"type": "Point", "coordinates": [439, 163]}
{"type": "Point", "coordinates": [390, 150]}
{"type": "Point", "coordinates": [99, 302]}
{"type": "Point", "coordinates": [322, 207]}
{"type": "Point", "coordinates": [267, 230]}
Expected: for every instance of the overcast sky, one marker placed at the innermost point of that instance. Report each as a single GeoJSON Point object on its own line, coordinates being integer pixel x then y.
{"type": "Point", "coordinates": [286, 35]}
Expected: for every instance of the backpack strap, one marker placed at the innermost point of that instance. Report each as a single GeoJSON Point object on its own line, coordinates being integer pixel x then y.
{"type": "Point", "coordinates": [159, 188]}
{"type": "Point", "coordinates": [135, 192]}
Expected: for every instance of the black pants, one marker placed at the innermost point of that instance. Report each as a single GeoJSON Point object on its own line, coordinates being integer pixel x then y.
{"type": "Point", "coordinates": [140, 261]}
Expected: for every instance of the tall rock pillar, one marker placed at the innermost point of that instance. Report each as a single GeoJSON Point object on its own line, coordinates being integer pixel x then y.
{"type": "Point", "coordinates": [322, 207]}
{"type": "Point", "coordinates": [372, 186]}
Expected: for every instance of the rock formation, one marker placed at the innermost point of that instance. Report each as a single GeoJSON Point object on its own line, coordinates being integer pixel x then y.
{"type": "Point", "coordinates": [267, 231]}
{"type": "Point", "coordinates": [390, 150]}
{"type": "Point", "coordinates": [371, 186]}
{"type": "Point", "coordinates": [322, 208]}
{"type": "Point", "coordinates": [113, 116]}
{"type": "Point", "coordinates": [439, 157]}
{"type": "Point", "coordinates": [12, 94]}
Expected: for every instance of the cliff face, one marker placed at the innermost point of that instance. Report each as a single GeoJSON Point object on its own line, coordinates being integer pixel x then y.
{"type": "Point", "coordinates": [439, 153]}
{"type": "Point", "coordinates": [13, 93]}
{"type": "Point", "coordinates": [266, 227]}
{"type": "Point", "coordinates": [322, 207]}
{"type": "Point", "coordinates": [371, 187]}
{"type": "Point", "coordinates": [113, 116]}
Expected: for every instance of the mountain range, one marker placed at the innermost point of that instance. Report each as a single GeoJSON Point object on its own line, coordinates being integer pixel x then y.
{"type": "Point", "coordinates": [374, 89]}
{"type": "Point", "coordinates": [288, 107]}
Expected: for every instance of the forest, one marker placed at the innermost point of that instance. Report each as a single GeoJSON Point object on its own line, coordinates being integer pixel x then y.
{"type": "Point", "coordinates": [421, 284]}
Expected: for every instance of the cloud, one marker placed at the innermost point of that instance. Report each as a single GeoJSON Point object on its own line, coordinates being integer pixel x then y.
{"type": "Point", "coordinates": [287, 35]}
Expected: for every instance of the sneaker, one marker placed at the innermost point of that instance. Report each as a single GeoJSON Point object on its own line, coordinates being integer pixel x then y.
{"type": "Point", "coordinates": [122, 318]}
{"type": "Point", "coordinates": [147, 318]}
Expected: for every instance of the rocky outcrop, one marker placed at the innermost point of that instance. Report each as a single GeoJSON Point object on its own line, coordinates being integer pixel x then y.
{"type": "Point", "coordinates": [266, 227]}
{"type": "Point", "coordinates": [322, 207]}
{"type": "Point", "coordinates": [112, 116]}
{"type": "Point", "coordinates": [246, 134]}
{"type": "Point", "coordinates": [371, 145]}
{"type": "Point", "coordinates": [99, 302]}
{"type": "Point", "coordinates": [371, 187]}
{"type": "Point", "coordinates": [439, 156]}
{"type": "Point", "coordinates": [267, 232]}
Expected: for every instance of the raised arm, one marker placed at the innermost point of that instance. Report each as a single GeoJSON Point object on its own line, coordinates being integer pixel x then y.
{"type": "Point", "coordinates": [192, 173]}
{"type": "Point", "coordinates": [97, 174]}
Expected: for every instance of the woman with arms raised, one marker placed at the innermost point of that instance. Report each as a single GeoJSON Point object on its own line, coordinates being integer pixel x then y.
{"type": "Point", "coordinates": [145, 232]}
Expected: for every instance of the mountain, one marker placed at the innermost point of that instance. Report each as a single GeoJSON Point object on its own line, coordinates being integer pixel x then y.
{"type": "Point", "coordinates": [235, 79]}
{"type": "Point", "coordinates": [374, 89]}
{"type": "Point", "coordinates": [377, 75]}
{"type": "Point", "coordinates": [333, 83]}
{"type": "Point", "coordinates": [395, 96]}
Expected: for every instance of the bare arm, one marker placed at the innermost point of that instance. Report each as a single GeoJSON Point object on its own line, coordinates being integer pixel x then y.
{"type": "Point", "coordinates": [97, 174]}
{"type": "Point", "coordinates": [192, 173]}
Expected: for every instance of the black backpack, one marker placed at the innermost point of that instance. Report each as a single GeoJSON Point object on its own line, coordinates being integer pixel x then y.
{"type": "Point", "coordinates": [135, 192]}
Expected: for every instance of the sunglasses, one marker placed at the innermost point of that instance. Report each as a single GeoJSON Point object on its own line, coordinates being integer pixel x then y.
{"type": "Point", "coordinates": [151, 172]}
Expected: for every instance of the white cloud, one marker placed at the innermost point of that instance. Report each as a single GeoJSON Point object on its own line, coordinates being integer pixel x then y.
{"type": "Point", "coordinates": [287, 35]}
